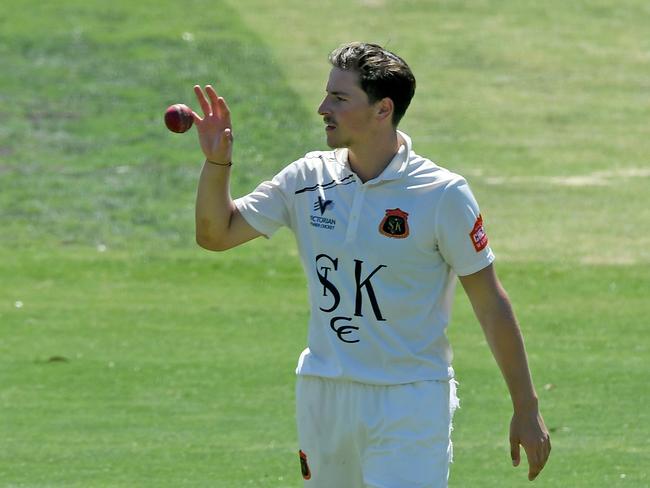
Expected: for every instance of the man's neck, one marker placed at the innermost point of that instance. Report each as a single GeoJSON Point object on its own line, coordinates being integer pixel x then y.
{"type": "Point", "coordinates": [369, 160]}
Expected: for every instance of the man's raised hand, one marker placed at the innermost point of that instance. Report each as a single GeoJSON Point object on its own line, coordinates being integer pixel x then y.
{"type": "Point", "coordinates": [215, 128]}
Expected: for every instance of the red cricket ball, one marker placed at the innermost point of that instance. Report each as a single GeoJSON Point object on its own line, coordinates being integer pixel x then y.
{"type": "Point", "coordinates": [178, 118]}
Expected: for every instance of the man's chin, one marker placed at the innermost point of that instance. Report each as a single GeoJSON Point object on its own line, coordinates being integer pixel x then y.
{"type": "Point", "coordinates": [333, 143]}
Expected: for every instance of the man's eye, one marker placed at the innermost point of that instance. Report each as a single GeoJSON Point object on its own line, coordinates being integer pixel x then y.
{"type": "Point", "coordinates": [340, 99]}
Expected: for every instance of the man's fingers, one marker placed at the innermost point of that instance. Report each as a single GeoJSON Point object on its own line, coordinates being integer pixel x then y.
{"type": "Point", "coordinates": [533, 469]}
{"type": "Point", "coordinates": [533, 472]}
{"type": "Point", "coordinates": [212, 95]}
{"type": "Point", "coordinates": [535, 466]}
{"type": "Point", "coordinates": [203, 102]}
{"type": "Point", "coordinates": [224, 111]}
{"type": "Point", "coordinates": [226, 140]}
{"type": "Point", "coordinates": [537, 458]}
{"type": "Point", "coordinates": [218, 105]}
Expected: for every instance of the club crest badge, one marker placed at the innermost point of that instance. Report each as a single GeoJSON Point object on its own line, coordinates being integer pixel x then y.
{"type": "Point", "coordinates": [478, 236]}
{"type": "Point", "coordinates": [395, 224]}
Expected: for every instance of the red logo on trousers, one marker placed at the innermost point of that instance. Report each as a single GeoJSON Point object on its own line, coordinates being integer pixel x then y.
{"type": "Point", "coordinates": [304, 467]}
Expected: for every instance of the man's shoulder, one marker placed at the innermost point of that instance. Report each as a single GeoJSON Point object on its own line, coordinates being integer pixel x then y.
{"type": "Point", "coordinates": [423, 170]}
{"type": "Point", "coordinates": [312, 158]}
{"type": "Point", "coordinates": [317, 164]}
{"type": "Point", "coordinates": [318, 158]}
{"type": "Point", "coordinates": [314, 166]}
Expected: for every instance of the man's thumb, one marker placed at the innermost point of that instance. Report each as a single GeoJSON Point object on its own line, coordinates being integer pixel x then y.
{"type": "Point", "coordinates": [514, 452]}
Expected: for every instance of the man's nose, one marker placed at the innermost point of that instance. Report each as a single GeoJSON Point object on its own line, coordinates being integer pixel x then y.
{"type": "Point", "coordinates": [323, 109]}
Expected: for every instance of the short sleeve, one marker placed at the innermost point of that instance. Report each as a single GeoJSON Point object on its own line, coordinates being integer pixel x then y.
{"type": "Point", "coordinates": [461, 235]}
{"type": "Point", "coordinates": [267, 207]}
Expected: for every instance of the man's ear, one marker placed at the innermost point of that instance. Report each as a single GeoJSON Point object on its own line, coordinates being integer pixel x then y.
{"type": "Point", "coordinates": [385, 108]}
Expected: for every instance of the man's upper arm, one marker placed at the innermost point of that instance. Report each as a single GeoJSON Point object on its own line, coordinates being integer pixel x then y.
{"type": "Point", "coordinates": [267, 208]}
{"type": "Point", "coordinates": [239, 232]}
{"type": "Point", "coordinates": [483, 290]}
{"type": "Point", "coordinates": [461, 238]}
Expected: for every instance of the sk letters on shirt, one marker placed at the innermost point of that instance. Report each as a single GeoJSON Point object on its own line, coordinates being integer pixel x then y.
{"type": "Point", "coordinates": [381, 260]}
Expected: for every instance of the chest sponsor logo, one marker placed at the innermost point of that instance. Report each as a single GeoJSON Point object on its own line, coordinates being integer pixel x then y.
{"type": "Point", "coordinates": [342, 322]}
{"type": "Point", "coordinates": [318, 218]}
{"type": "Point", "coordinates": [322, 204]}
{"type": "Point", "coordinates": [478, 236]}
{"type": "Point", "coordinates": [395, 224]}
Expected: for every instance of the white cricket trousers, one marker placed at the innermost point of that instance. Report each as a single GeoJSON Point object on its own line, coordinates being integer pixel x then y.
{"type": "Point", "coordinates": [354, 435]}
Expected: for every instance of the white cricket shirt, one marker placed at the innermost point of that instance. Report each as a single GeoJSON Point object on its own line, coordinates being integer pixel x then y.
{"type": "Point", "coordinates": [381, 260]}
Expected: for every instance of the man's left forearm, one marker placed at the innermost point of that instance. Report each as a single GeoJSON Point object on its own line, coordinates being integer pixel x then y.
{"type": "Point", "coordinates": [494, 312]}
{"type": "Point", "coordinates": [507, 345]}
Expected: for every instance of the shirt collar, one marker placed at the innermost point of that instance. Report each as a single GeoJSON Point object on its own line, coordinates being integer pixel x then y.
{"type": "Point", "coordinates": [395, 168]}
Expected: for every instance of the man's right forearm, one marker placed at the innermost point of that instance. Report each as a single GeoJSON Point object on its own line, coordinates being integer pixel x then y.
{"type": "Point", "coordinates": [214, 206]}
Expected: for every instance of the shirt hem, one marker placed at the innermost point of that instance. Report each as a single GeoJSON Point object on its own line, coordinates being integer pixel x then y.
{"type": "Point", "coordinates": [475, 268]}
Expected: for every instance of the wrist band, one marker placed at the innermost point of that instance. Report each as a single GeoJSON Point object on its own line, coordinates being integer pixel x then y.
{"type": "Point", "coordinates": [218, 164]}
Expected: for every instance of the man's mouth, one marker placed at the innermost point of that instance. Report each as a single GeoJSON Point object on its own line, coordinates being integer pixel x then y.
{"type": "Point", "coordinates": [329, 125]}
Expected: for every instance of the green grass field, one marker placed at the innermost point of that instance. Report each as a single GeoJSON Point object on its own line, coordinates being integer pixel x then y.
{"type": "Point", "coordinates": [129, 357]}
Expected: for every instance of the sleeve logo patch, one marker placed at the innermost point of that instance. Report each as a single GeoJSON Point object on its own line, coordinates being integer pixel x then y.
{"type": "Point", "coordinates": [395, 224]}
{"type": "Point", "coordinates": [478, 236]}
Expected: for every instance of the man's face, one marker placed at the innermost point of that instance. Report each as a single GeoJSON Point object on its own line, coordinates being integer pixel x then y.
{"type": "Point", "coordinates": [347, 114]}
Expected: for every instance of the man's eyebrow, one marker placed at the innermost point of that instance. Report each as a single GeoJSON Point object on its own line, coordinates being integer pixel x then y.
{"type": "Point", "coordinates": [337, 93]}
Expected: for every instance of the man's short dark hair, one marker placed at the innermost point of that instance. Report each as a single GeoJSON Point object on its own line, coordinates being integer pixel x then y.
{"type": "Point", "coordinates": [381, 74]}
